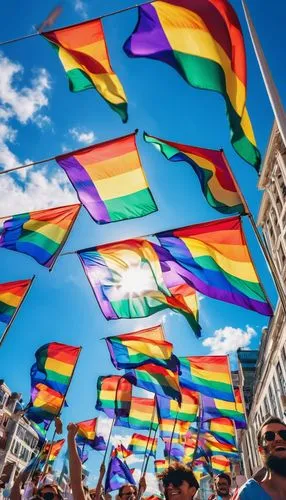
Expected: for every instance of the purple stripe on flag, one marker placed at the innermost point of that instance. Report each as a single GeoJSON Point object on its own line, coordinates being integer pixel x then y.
{"type": "Point", "coordinates": [85, 187]}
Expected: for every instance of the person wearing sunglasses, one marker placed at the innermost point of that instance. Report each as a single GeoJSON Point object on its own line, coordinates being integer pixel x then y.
{"type": "Point", "coordinates": [272, 448]}
{"type": "Point", "coordinates": [179, 482]}
{"type": "Point", "coordinates": [49, 492]}
{"type": "Point", "coordinates": [127, 492]}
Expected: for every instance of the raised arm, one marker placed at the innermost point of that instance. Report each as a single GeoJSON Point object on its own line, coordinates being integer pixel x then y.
{"type": "Point", "coordinates": [75, 464]}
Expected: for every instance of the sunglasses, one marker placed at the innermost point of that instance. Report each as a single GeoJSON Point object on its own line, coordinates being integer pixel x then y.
{"type": "Point", "coordinates": [270, 435]}
{"type": "Point", "coordinates": [175, 481]}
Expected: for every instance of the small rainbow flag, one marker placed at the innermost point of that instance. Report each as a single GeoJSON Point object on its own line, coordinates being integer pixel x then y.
{"type": "Point", "coordinates": [131, 350]}
{"type": "Point", "coordinates": [118, 474]}
{"type": "Point", "coordinates": [220, 464]}
{"type": "Point", "coordinates": [52, 450]}
{"type": "Point", "coordinates": [209, 375]}
{"type": "Point", "coordinates": [83, 53]}
{"type": "Point", "coordinates": [142, 415]}
{"type": "Point", "coordinates": [213, 172]}
{"type": "Point", "coordinates": [11, 296]}
{"type": "Point", "coordinates": [175, 451]}
{"type": "Point", "coordinates": [170, 429]}
{"type": "Point", "coordinates": [40, 234]}
{"type": "Point", "coordinates": [121, 452]}
{"type": "Point", "coordinates": [157, 379]}
{"type": "Point", "coordinates": [140, 445]}
{"type": "Point", "coordinates": [86, 435]}
{"type": "Point", "coordinates": [170, 409]}
{"type": "Point", "coordinates": [160, 466]}
{"type": "Point", "coordinates": [203, 42]}
{"type": "Point", "coordinates": [213, 258]}
{"type": "Point", "coordinates": [114, 395]}
{"type": "Point", "coordinates": [109, 180]}
{"type": "Point", "coordinates": [55, 365]}
{"type": "Point", "coordinates": [132, 279]}
{"type": "Point", "coordinates": [216, 408]}
{"type": "Point", "coordinates": [45, 403]}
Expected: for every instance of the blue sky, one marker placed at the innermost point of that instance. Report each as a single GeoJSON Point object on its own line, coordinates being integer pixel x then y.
{"type": "Point", "coordinates": [39, 118]}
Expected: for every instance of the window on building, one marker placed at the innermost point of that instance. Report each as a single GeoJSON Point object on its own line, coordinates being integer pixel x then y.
{"type": "Point", "coordinates": [21, 432]}
{"type": "Point", "coordinates": [16, 448]}
{"type": "Point", "coordinates": [261, 413]}
{"type": "Point", "coordinates": [266, 406]}
{"type": "Point", "coordinates": [281, 378]}
{"type": "Point", "coordinates": [24, 453]}
{"type": "Point", "coordinates": [273, 401]}
{"type": "Point", "coordinates": [283, 354]}
{"type": "Point", "coordinates": [282, 256]}
{"type": "Point", "coordinates": [277, 396]}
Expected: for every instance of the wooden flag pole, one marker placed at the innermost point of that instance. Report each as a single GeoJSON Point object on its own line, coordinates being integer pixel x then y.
{"type": "Point", "coordinates": [4, 334]}
{"type": "Point", "coordinates": [270, 86]}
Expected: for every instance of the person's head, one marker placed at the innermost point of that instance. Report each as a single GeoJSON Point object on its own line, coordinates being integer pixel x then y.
{"type": "Point", "coordinates": [36, 477]}
{"type": "Point", "coordinates": [272, 445]}
{"type": "Point", "coordinates": [179, 482]}
{"type": "Point", "coordinates": [222, 484]}
{"type": "Point", "coordinates": [49, 492]}
{"type": "Point", "coordinates": [127, 492]}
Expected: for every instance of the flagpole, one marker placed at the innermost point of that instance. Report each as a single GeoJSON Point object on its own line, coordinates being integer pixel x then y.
{"type": "Point", "coordinates": [264, 249]}
{"type": "Point", "coordinates": [199, 421]}
{"type": "Point", "coordinates": [270, 86]}
{"type": "Point", "coordinates": [113, 420]}
{"type": "Point", "coordinates": [149, 454]}
{"type": "Point", "coordinates": [172, 435]}
{"type": "Point", "coordinates": [3, 336]}
{"type": "Point", "coordinates": [150, 430]}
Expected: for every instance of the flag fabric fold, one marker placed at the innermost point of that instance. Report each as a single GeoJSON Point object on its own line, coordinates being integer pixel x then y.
{"type": "Point", "coordinates": [109, 180]}
{"type": "Point", "coordinates": [118, 474]}
{"type": "Point", "coordinates": [114, 394]}
{"type": "Point", "coordinates": [40, 234]}
{"type": "Point", "coordinates": [83, 53]}
{"type": "Point", "coordinates": [11, 296]}
{"type": "Point", "coordinates": [203, 42]}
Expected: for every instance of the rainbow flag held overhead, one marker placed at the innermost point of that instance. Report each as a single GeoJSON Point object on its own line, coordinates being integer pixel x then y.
{"type": "Point", "coordinates": [203, 41]}
{"type": "Point", "coordinates": [83, 53]}
{"type": "Point", "coordinates": [121, 452]}
{"type": "Point", "coordinates": [142, 415]}
{"type": "Point", "coordinates": [131, 350]}
{"type": "Point", "coordinates": [175, 430]}
{"type": "Point", "coordinates": [45, 404]}
{"type": "Point", "coordinates": [51, 449]}
{"type": "Point", "coordinates": [216, 447]}
{"type": "Point", "coordinates": [109, 180]}
{"type": "Point", "coordinates": [11, 296]}
{"type": "Point", "coordinates": [131, 279]}
{"type": "Point", "coordinates": [157, 379]}
{"type": "Point", "coordinates": [118, 474]}
{"type": "Point", "coordinates": [170, 409]}
{"type": "Point", "coordinates": [141, 445]}
{"type": "Point", "coordinates": [87, 435]}
{"type": "Point", "coordinates": [220, 464]}
{"type": "Point", "coordinates": [160, 466]}
{"type": "Point", "coordinates": [216, 408]}
{"type": "Point", "coordinates": [223, 429]}
{"type": "Point", "coordinates": [114, 394]}
{"type": "Point", "coordinates": [209, 375]}
{"type": "Point", "coordinates": [55, 364]}
{"type": "Point", "coordinates": [213, 172]}
{"type": "Point", "coordinates": [213, 258]}
{"type": "Point", "coordinates": [40, 234]}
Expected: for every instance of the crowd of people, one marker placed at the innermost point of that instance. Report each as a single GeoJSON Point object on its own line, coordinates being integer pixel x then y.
{"type": "Point", "coordinates": [177, 482]}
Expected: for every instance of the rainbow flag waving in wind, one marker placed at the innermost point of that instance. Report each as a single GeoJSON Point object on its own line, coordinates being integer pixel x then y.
{"type": "Point", "coordinates": [142, 415]}
{"type": "Point", "coordinates": [109, 180]}
{"type": "Point", "coordinates": [86, 435]}
{"type": "Point", "coordinates": [52, 450]}
{"type": "Point", "coordinates": [40, 234]}
{"type": "Point", "coordinates": [203, 41]}
{"type": "Point", "coordinates": [114, 395]}
{"type": "Point", "coordinates": [140, 444]}
{"type": "Point", "coordinates": [83, 53]}
{"type": "Point", "coordinates": [11, 296]}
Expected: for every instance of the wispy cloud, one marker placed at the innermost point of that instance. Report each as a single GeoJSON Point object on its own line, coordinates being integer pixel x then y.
{"type": "Point", "coordinates": [228, 339]}
{"type": "Point", "coordinates": [81, 8]}
{"type": "Point", "coordinates": [82, 136]}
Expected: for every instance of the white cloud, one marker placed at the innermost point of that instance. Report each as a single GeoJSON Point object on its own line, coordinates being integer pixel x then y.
{"type": "Point", "coordinates": [81, 8]}
{"type": "Point", "coordinates": [82, 136]}
{"type": "Point", "coordinates": [228, 339]}
{"type": "Point", "coordinates": [151, 482]}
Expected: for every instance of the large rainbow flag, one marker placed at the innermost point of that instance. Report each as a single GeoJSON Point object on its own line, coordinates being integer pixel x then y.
{"type": "Point", "coordinates": [114, 394]}
{"type": "Point", "coordinates": [109, 180]}
{"type": "Point", "coordinates": [216, 408]}
{"type": "Point", "coordinates": [213, 258]}
{"type": "Point", "coordinates": [213, 172]}
{"type": "Point", "coordinates": [131, 279]}
{"type": "Point", "coordinates": [223, 429]}
{"type": "Point", "coordinates": [40, 234]}
{"type": "Point", "coordinates": [11, 296]}
{"type": "Point", "coordinates": [209, 375]}
{"type": "Point", "coordinates": [142, 415]}
{"type": "Point", "coordinates": [86, 435]}
{"type": "Point", "coordinates": [157, 379]}
{"type": "Point", "coordinates": [83, 53]}
{"type": "Point", "coordinates": [140, 445]}
{"type": "Point", "coordinates": [55, 365]}
{"type": "Point", "coordinates": [203, 41]}
{"type": "Point", "coordinates": [45, 404]}
{"type": "Point", "coordinates": [170, 409]}
{"type": "Point", "coordinates": [137, 348]}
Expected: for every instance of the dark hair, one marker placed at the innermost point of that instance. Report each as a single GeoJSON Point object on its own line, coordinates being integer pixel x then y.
{"type": "Point", "coordinates": [180, 471]}
{"type": "Point", "coordinates": [127, 484]}
{"type": "Point", "coordinates": [269, 420]}
{"type": "Point", "coordinates": [223, 475]}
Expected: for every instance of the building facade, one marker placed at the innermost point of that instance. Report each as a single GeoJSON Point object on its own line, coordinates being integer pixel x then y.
{"type": "Point", "coordinates": [267, 396]}
{"type": "Point", "coordinates": [18, 440]}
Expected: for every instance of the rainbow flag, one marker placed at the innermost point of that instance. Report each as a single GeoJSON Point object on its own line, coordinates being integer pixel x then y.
{"type": "Point", "coordinates": [121, 452]}
{"type": "Point", "coordinates": [216, 447]}
{"type": "Point", "coordinates": [118, 474]}
{"type": "Point", "coordinates": [216, 408]}
{"type": "Point", "coordinates": [170, 429]}
{"type": "Point", "coordinates": [109, 180]}
{"type": "Point", "coordinates": [131, 350]}
{"type": "Point", "coordinates": [12, 295]}
{"type": "Point", "coordinates": [86, 435]}
{"type": "Point", "coordinates": [203, 41]}
{"type": "Point", "coordinates": [45, 404]}
{"type": "Point", "coordinates": [40, 234]}
{"type": "Point", "coordinates": [55, 364]}
{"type": "Point", "coordinates": [220, 464]}
{"type": "Point", "coordinates": [170, 409]}
{"type": "Point", "coordinates": [213, 258]}
{"type": "Point", "coordinates": [142, 415]}
{"type": "Point", "coordinates": [83, 455]}
{"type": "Point", "coordinates": [41, 430]}
{"type": "Point", "coordinates": [223, 429]}
{"type": "Point", "coordinates": [83, 53]}
{"type": "Point", "coordinates": [209, 375]}
{"type": "Point", "coordinates": [130, 280]}
{"type": "Point", "coordinates": [52, 449]}
{"type": "Point", "coordinates": [114, 395]}
{"type": "Point", "coordinates": [140, 445]}
{"type": "Point", "coordinates": [160, 466]}
{"type": "Point", "coordinates": [157, 379]}
{"type": "Point", "coordinates": [213, 172]}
